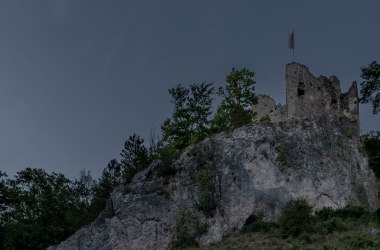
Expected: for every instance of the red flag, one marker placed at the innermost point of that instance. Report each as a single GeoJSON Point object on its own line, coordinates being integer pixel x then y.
{"type": "Point", "coordinates": [291, 41]}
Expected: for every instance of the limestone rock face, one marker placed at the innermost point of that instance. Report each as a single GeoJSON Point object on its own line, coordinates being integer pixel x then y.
{"type": "Point", "coordinates": [221, 181]}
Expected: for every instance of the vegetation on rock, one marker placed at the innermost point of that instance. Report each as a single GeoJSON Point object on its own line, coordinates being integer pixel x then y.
{"type": "Point", "coordinates": [296, 218]}
{"type": "Point", "coordinates": [235, 109]}
{"type": "Point", "coordinates": [188, 230]}
{"type": "Point", "coordinates": [351, 227]}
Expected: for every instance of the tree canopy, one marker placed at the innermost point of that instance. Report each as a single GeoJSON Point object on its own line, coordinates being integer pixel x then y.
{"type": "Point", "coordinates": [191, 119]}
{"type": "Point", "coordinates": [372, 147]}
{"type": "Point", "coordinates": [38, 209]}
{"type": "Point", "coordinates": [370, 87]}
{"type": "Point", "coordinates": [134, 157]}
{"type": "Point", "coordinates": [238, 96]}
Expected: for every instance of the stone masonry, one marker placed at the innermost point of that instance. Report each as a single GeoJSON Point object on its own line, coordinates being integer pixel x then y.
{"type": "Point", "coordinates": [308, 96]}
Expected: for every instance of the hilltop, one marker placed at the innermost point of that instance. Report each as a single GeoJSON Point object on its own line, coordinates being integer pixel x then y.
{"type": "Point", "coordinates": [222, 181]}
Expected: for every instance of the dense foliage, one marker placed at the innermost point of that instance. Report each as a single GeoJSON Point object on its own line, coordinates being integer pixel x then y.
{"type": "Point", "coordinates": [39, 209]}
{"type": "Point", "coordinates": [370, 87]}
{"type": "Point", "coordinates": [191, 120]}
{"type": "Point", "coordinates": [134, 157]}
{"type": "Point", "coordinates": [296, 218]}
{"type": "Point", "coordinates": [235, 109]}
{"type": "Point", "coordinates": [372, 147]}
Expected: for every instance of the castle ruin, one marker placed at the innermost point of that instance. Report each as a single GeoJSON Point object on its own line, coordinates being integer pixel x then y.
{"type": "Point", "coordinates": [309, 96]}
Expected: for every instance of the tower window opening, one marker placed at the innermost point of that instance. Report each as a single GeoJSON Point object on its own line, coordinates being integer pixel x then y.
{"type": "Point", "coordinates": [301, 89]}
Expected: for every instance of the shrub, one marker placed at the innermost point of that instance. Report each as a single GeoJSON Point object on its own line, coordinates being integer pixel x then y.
{"type": "Point", "coordinates": [305, 237]}
{"type": "Point", "coordinates": [372, 148]}
{"type": "Point", "coordinates": [282, 156]}
{"type": "Point", "coordinates": [348, 132]}
{"type": "Point", "coordinates": [296, 218]}
{"type": "Point", "coordinates": [167, 154]}
{"type": "Point", "coordinates": [183, 234]}
{"type": "Point", "coordinates": [330, 225]}
{"type": "Point", "coordinates": [359, 241]}
{"type": "Point", "coordinates": [255, 223]}
{"type": "Point", "coordinates": [377, 214]}
{"type": "Point", "coordinates": [352, 211]}
{"type": "Point", "coordinates": [325, 213]}
{"type": "Point", "coordinates": [188, 230]}
{"type": "Point", "coordinates": [265, 120]}
{"type": "Point", "coordinates": [206, 199]}
{"type": "Point", "coordinates": [349, 212]}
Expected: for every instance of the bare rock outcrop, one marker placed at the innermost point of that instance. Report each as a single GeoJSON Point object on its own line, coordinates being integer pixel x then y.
{"type": "Point", "coordinates": [221, 181]}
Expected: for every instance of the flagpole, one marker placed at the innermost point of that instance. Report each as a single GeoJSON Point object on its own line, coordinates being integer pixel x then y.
{"type": "Point", "coordinates": [291, 44]}
{"type": "Point", "coordinates": [294, 58]}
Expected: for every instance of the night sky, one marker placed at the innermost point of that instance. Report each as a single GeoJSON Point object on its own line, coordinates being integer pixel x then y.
{"type": "Point", "coordinates": [78, 77]}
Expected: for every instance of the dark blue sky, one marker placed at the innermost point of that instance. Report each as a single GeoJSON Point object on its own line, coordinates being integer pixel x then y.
{"type": "Point", "coordinates": [78, 77]}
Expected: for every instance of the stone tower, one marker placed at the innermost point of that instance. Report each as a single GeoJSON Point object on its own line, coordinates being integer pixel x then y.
{"type": "Point", "coordinates": [308, 96]}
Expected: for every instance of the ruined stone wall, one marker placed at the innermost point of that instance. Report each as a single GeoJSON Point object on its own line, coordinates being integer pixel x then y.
{"type": "Point", "coordinates": [266, 106]}
{"type": "Point", "coordinates": [307, 96]}
{"type": "Point", "coordinates": [349, 103]}
{"type": "Point", "coordinates": [350, 108]}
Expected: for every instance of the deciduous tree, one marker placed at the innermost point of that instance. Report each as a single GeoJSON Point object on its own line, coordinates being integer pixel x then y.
{"type": "Point", "coordinates": [235, 109]}
{"type": "Point", "coordinates": [370, 87]}
{"type": "Point", "coordinates": [190, 121]}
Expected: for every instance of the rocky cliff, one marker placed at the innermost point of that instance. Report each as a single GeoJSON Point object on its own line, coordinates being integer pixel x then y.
{"type": "Point", "coordinates": [221, 181]}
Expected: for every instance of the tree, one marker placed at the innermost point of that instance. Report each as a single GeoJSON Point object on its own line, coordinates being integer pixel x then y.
{"type": "Point", "coordinates": [372, 147]}
{"type": "Point", "coordinates": [370, 87]}
{"type": "Point", "coordinates": [111, 177]}
{"type": "Point", "coordinates": [83, 197]}
{"type": "Point", "coordinates": [37, 208]}
{"type": "Point", "coordinates": [190, 121]}
{"type": "Point", "coordinates": [83, 187]}
{"type": "Point", "coordinates": [176, 129]}
{"type": "Point", "coordinates": [199, 105]}
{"type": "Point", "coordinates": [134, 157]}
{"type": "Point", "coordinates": [235, 109]}
{"type": "Point", "coordinates": [296, 217]}
{"type": "Point", "coordinates": [5, 198]}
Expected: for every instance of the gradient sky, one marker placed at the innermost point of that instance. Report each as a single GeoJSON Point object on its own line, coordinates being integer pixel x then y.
{"type": "Point", "coordinates": [78, 77]}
